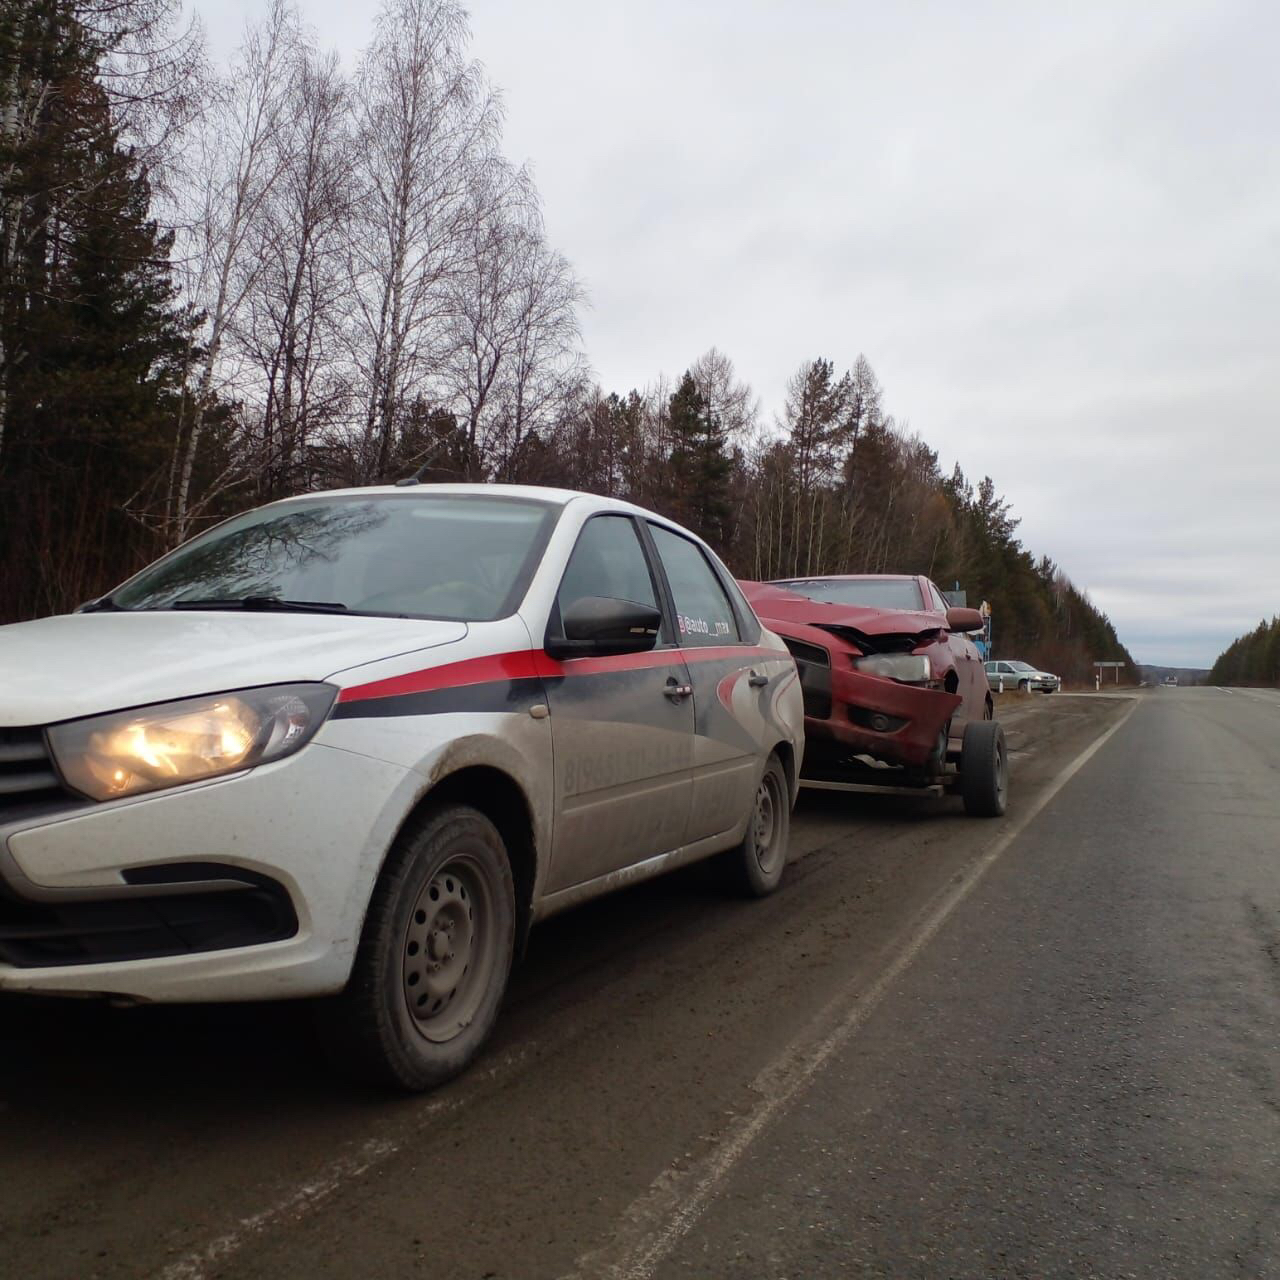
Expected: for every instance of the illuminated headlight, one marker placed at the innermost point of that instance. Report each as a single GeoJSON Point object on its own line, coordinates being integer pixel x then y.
{"type": "Point", "coordinates": [909, 668]}
{"type": "Point", "coordinates": [129, 752]}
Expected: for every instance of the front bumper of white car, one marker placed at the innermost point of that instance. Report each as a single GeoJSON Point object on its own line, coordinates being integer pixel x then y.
{"type": "Point", "coordinates": [250, 887]}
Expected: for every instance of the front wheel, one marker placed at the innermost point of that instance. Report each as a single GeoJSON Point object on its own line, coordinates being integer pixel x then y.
{"type": "Point", "coordinates": [755, 867]}
{"type": "Point", "coordinates": [434, 957]}
{"type": "Point", "coordinates": [984, 769]}
{"type": "Point", "coordinates": [1024, 685]}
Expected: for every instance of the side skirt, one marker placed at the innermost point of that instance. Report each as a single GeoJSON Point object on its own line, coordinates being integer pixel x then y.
{"type": "Point", "coordinates": [562, 899]}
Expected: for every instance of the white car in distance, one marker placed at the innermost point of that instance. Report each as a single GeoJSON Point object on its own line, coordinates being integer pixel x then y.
{"type": "Point", "coordinates": [353, 744]}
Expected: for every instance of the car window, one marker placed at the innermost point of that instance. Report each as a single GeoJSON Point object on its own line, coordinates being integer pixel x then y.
{"type": "Point", "coordinates": [874, 593]}
{"type": "Point", "coordinates": [462, 556]}
{"type": "Point", "coordinates": [704, 615]}
{"type": "Point", "coordinates": [609, 561]}
{"type": "Point", "coordinates": [938, 602]}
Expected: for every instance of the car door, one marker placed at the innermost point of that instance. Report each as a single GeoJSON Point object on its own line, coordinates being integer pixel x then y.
{"type": "Point", "coordinates": [730, 676]}
{"type": "Point", "coordinates": [622, 727]}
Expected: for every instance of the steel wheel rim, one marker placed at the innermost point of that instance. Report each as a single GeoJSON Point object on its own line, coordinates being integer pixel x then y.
{"type": "Point", "coordinates": [449, 949]}
{"type": "Point", "coordinates": [765, 823]}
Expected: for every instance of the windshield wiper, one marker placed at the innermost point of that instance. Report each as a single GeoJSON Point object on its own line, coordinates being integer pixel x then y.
{"type": "Point", "coordinates": [262, 604]}
{"type": "Point", "coordinates": [103, 604]}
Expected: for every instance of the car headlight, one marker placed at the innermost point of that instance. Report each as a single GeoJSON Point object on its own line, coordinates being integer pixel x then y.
{"type": "Point", "coordinates": [129, 752]}
{"type": "Point", "coordinates": [909, 668]}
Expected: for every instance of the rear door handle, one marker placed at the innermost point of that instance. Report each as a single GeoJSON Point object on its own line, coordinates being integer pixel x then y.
{"type": "Point", "coordinates": [757, 681]}
{"type": "Point", "coordinates": [675, 690]}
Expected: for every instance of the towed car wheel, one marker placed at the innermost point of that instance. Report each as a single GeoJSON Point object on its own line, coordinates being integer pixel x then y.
{"type": "Point", "coordinates": [434, 956]}
{"type": "Point", "coordinates": [755, 866]}
{"type": "Point", "coordinates": [984, 769]}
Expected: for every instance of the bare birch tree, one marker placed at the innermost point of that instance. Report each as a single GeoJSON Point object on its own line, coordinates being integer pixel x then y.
{"type": "Point", "coordinates": [427, 132]}
{"type": "Point", "coordinates": [241, 165]}
{"type": "Point", "coordinates": [288, 328]}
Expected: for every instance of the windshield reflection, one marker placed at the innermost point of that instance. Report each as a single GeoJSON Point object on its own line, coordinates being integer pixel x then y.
{"type": "Point", "coordinates": [463, 557]}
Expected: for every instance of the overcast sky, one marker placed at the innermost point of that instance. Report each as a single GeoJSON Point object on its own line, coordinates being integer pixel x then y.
{"type": "Point", "coordinates": [1054, 231]}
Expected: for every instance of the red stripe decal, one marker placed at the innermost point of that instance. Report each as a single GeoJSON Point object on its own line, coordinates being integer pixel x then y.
{"type": "Point", "coordinates": [451, 675]}
{"type": "Point", "coordinates": [526, 663]}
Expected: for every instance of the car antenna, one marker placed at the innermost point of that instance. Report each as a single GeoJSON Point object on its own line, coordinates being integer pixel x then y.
{"type": "Point", "coordinates": [416, 478]}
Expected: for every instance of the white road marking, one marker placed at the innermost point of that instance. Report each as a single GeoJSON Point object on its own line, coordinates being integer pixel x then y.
{"type": "Point", "coordinates": [301, 1201]}
{"type": "Point", "coordinates": [309, 1195]}
{"type": "Point", "coordinates": [655, 1223]}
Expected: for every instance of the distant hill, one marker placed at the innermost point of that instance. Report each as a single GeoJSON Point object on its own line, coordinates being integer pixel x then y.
{"type": "Point", "coordinates": [1186, 675]}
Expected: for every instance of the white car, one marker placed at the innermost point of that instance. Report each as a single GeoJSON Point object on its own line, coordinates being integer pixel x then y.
{"type": "Point", "coordinates": [1022, 676]}
{"type": "Point", "coordinates": [354, 744]}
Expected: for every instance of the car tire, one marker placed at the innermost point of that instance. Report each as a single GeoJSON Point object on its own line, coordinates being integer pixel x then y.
{"type": "Point", "coordinates": [1024, 685]}
{"type": "Point", "coordinates": [434, 956]}
{"type": "Point", "coordinates": [984, 769]}
{"type": "Point", "coordinates": [754, 869]}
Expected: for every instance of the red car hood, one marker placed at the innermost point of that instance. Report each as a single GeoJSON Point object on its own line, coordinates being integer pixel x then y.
{"type": "Point", "coordinates": [778, 604]}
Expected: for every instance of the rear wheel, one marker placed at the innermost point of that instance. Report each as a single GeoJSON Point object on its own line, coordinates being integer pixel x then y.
{"type": "Point", "coordinates": [755, 867]}
{"type": "Point", "coordinates": [434, 956]}
{"type": "Point", "coordinates": [984, 769]}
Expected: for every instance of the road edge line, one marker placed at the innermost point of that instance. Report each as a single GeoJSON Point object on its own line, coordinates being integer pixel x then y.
{"type": "Point", "coordinates": [658, 1220]}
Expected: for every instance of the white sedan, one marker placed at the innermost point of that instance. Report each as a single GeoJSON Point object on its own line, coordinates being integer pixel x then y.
{"type": "Point", "coordinates": [1012, 674]}
{"type": "Point", "coordinates": [354, 744]}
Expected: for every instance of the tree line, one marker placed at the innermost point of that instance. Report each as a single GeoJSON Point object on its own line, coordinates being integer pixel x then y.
{"type": "Point", "coordinates": [1252, 659]}
{"type": "Point", "coordinates": [220, 289]}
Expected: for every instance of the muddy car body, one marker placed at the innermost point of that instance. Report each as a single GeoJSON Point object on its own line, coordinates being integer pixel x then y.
{"type": "Point", "coordinates": [351, 745]}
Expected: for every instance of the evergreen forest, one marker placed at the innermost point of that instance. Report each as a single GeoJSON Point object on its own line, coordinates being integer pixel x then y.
{"type": "Point", "coordinates": [1252, 659]}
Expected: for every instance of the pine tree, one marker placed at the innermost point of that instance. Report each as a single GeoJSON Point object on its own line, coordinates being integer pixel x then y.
{"type": "Point", "coordinates": [699, 464]}
{"type": "Point", "coordinates": [93, 338]}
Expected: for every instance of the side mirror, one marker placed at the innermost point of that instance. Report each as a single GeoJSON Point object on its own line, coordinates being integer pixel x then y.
{"type": "Point", "coordinates": [959, 619]}
{"type": "Point", "coordinates": [597, 626]}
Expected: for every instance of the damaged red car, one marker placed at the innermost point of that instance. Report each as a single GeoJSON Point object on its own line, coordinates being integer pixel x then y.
{"type": "Point", "coordinates": [895, 692]}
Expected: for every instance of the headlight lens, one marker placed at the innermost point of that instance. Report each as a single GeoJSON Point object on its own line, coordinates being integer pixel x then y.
{"type": "Point", "coordinates": [909, 668]}
{"type": "Point", "coordinates": [129, 752]}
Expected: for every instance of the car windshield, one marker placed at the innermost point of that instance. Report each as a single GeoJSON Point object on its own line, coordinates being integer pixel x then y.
{"type": "Point", "coordinates": [1022, 666]}
{"type": "Point", "coordinates": [464, 557]}
{"type": "Point", "coordinates": [874, 593]}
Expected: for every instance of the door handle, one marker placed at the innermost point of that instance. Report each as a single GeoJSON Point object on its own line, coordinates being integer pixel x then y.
{"type": "Point", "coordinates": [675, 690]}
{"type": "Point", "coordinates": [757, 681]}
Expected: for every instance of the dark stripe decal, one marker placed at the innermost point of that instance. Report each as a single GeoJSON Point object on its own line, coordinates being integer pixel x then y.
{"type": "Point", "coordinates": [490, 695]}
{"type": "Point", "coordinates": [512, 681]}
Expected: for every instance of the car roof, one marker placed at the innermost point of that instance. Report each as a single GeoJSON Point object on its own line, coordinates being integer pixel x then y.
{"type": "Point", "coordinates": [533, 492]}
{"type": "Point", "coordinates": [851, 577]}
{"type": "Point", "coordinates": [426, 489]}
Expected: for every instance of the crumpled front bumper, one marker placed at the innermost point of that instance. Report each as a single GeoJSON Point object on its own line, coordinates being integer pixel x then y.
{"type": "Point", "coordinates": [896, 723]}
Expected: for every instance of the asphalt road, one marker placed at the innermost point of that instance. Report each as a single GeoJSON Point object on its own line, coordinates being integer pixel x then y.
{"type": "Point", "coordinates": [1041, 1046]}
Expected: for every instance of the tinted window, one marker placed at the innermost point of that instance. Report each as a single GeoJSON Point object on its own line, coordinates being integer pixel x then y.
{"type": "Point", "coordinates": [608, 560]}
{"type": "Point", "coordinates": [468, 557]}
{"type": "Point", "coordinates": [703, 613]}
{"type": "Point", "coordinates": [874, 593]}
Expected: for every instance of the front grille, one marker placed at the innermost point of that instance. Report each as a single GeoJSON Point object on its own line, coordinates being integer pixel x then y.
{"type": "Point", "coordinates": [251, 909]}
{"type": "Point", "coordinates": [27, 775]}
{"type": "Point", "coordinates": [814, 666]}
